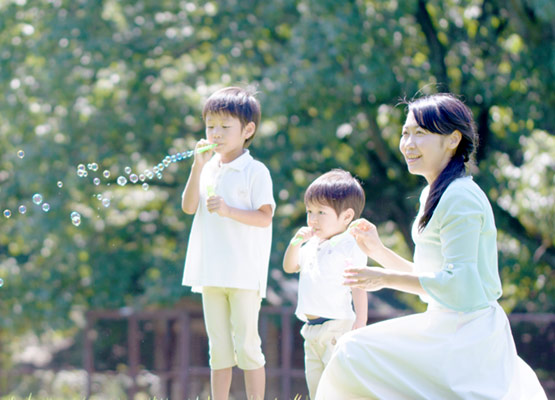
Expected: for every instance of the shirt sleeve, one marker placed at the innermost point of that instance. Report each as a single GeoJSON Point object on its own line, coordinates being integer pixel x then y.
{"type": "Point", "coordinates": [458, 285]}
{"type": "Point", "coordinates": [262, 189]}
{"type": "Point", "coordinates": [359, 257]}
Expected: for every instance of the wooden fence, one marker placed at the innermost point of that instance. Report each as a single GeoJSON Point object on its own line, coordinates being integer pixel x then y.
{"type": "Point", "coordinates": [171, 347]}
{"type": "Point", "coordinates": [180, 351]}
{"type": "Point", "coordinates": [178, 346]}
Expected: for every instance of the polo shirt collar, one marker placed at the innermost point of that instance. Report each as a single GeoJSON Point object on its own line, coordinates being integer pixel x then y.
{"type": "Point", "coordinates": [239, 163]}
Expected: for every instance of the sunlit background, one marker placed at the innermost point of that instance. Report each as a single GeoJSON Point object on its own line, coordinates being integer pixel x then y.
{"type": "Point", "coordinates": [117, 84]}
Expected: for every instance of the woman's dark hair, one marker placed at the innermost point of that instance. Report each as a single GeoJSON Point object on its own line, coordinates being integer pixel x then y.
{"type": "Point", "coordinates": [443, 114]}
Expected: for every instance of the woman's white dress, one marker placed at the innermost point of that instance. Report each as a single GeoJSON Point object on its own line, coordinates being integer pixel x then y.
{"type": "Point", "coordinates": [462, 346]}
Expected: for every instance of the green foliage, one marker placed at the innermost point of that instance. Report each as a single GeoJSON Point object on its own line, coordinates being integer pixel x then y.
{"type": "Point", "coordinates": [122, 83]}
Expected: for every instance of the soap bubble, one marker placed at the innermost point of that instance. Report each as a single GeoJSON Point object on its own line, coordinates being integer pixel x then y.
{"type": "Point", "coordinates": [21, 154]}
{"type": "Point", "coordinates": [1, 282]}
{"type": "Point", "coordinates": [179, 156]}
{"type": "Point", "coordinates": [106, 202]}
{"type": "Point", "coordinates": [149, 174]}
{"type": "Point", "coordinates": [60, 184]}
{"type": "Point", "coordinates": [142, 177]}
{"type": "Point", "coordinates": [167, 161]}
{"type": "Point", "coordinates": [81, 167]}
{"type": "Point", "coordinates": [145, 186]}
{"type": "Point", "coordinates": [174, 158]}
{"type": "Point", "coordinates": [99, 196]}
{"type": "Point", "coordinates": [96, 181]}
{"type": "Point", "coordinates": [7, 213]}
{"type": "Point", "coordinates": [22, 209]}
{"type": "Point", "coordinates": [46, 207]}
{"type": "Point", "coordinates": [37, 198]}
{"type": "Point", "coordinates": [127, 170]}
{"type": "Point", "coordinates": [155, 169]}
{"type": "Point", "coordinates": [75, 218]}
{"type": "Point", "coordinates": [93, 166]}
{"type": "Point", "coordinates": [122, 180]}
{"type": "Point", "coordinates": [159, 175]}
{"type": "Point", "coordinates": [106, 174]}
{"type": "Point", "coordinates": [160, 167]}
{"type": "Point", "coordinates": [133, 178]}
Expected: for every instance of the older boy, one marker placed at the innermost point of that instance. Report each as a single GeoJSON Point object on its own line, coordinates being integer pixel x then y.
{"type": "Point", "coordinates": [229, 245]}
{"type": "Point", "coordinates": [324, 303]}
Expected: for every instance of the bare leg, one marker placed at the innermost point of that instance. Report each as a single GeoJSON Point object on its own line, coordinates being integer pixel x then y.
{"type": "Point", "coordinates": [220, 382]}
{"type": "Point", "coordinates": [255, 383]}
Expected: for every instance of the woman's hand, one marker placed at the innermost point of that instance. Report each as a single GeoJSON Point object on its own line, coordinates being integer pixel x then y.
{"type": "Point", "coordinates": [366, 235]}
{"type": "Point", "coordinates": [368, 278]}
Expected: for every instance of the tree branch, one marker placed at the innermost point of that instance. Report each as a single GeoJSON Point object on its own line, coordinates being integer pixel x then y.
{"type": "Point", "coordinates": [437, 50]}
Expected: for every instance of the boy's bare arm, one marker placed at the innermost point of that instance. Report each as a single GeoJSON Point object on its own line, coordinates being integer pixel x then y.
{"type": "Point", "coordinates": [360, 304]}
{"type": "Point", "coordinates": [291, 259]}
{"type": "Point", "coordinates": [191, 194]}
{"type": "Point", "coordinates": [261, 217]}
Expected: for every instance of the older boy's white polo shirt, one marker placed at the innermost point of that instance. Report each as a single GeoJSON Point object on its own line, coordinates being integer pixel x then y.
{"type": "Point", "coordinates": [221, 251]}
{"type": "Point", "coordinates": [321, 289]}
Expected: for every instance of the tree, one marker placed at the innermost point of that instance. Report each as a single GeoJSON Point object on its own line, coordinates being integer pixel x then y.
{"type": "Point", "coordinates": [122, 84]}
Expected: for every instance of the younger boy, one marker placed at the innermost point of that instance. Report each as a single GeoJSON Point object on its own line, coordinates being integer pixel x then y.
{"type": "Point", "coordinates": [228, 252]}
{"type": "Point", "coordinates": [324, 303]}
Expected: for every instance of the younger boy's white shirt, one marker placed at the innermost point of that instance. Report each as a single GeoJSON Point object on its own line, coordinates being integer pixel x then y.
{"type": "Point", "coordinates": [321, 291]}
{"type": "Point", "coordinates": [221, 251]}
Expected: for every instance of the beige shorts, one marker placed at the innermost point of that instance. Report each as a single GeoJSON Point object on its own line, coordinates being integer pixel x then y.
{"type": "Point", "coordinates": [319, 344]}
{"type": "Point", "coordinates": [231, 319]}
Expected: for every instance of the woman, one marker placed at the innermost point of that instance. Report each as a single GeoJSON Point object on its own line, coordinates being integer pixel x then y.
{"type": "Point", "coordinates": [462, 346]}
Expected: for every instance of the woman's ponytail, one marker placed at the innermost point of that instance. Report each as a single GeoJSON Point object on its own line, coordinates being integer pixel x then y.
{"type": "Point", "coordinates": [444, 114]}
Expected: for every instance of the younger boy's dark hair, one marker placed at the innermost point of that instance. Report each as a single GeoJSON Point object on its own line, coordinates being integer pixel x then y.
{"type": "Point", "coordinates": [237, 102]}
{"type": "Point", "coordinates": [337, 189]}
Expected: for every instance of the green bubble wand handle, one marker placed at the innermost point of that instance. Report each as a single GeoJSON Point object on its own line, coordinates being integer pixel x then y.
{"type": "Point", "coordinates": [207, 148]}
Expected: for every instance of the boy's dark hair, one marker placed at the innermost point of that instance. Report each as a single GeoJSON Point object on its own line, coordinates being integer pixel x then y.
{"type": "Point", "coordinates": [337, 189]}
{"type": "Point", "coordinates": [237, 102]}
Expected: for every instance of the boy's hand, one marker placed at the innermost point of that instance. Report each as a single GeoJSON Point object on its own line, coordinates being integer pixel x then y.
{"type": "Point", "coordinates": [302, 236]}
{"type": "Point", "coordinates": [359, 324]}
{"type": "Point", "coordinates": [203, 157]}
{"type": "Point", "coordinates": [217, 204]}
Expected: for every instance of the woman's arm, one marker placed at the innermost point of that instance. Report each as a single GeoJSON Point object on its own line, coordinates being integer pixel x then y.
{"type": "Point", "coordinates": [366, 235]}
{"type": "Point", "coordinates": [376, 278]}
